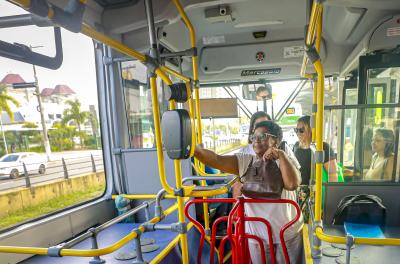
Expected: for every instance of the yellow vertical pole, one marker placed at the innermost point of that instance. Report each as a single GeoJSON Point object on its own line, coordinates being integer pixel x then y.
{"type": "Point", "coordinates": [197, 94]}
{"type": "Point", "coordinates": [157, 128]}
{"type": "Point", "coordinates": [319, 133]}
{"type": "Point", "coordinates": [181, 213]}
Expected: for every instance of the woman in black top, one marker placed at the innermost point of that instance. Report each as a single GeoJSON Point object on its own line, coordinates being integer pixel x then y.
{"type": "Point", "coordinates": [302, 152]}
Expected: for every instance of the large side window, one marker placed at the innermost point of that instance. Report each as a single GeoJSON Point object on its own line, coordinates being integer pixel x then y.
{"type": "Point", "coordinates": [138, 105]}
{"type": "Point", "coordinates": [71, 170]}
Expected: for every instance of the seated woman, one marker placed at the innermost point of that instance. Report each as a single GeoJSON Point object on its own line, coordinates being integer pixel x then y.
{"type": "Point", "coordinates": [382, 161]}
{"type": "Point", "coordinates": [267, 136]}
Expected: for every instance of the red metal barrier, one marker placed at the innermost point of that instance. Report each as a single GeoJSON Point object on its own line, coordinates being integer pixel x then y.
{"type": "Point", "coordinates": [239, 239]}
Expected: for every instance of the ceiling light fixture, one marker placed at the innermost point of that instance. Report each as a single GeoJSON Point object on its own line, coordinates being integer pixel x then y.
{"type": "Point", "coordinates": [258, 23]}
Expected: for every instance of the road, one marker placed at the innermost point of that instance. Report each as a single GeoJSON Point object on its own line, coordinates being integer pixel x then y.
{"type": "Point", "coordinates": [77, 163]}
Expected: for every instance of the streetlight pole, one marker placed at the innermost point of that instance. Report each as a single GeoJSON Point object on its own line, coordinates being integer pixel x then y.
{"type": "Point", "coordinates": [45, 136]}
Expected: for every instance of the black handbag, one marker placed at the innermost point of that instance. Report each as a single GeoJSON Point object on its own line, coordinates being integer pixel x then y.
{"type": "Point", "coordinates": [263, 179]}
{"type": "Point", "coordinates": [360, 209]}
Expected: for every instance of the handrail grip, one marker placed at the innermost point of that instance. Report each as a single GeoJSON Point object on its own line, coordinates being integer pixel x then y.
{"type": "Point", "coordinates": [357, 240]}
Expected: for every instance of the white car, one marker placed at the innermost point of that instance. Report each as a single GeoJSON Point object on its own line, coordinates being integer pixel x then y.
{"type": "Point", "coordinates": [12, 164]}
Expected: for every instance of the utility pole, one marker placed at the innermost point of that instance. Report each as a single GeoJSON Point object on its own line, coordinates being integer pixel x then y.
{"type": "Point", "coordinates": [45, 137]}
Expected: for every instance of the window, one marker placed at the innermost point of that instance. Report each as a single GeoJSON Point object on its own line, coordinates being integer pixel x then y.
{"type": "Point", "coordinates": [72, 78]}
{"type": "Point", "coordinates": [383, 85]}
{"type": "Point", "coordinates": [138, 105]}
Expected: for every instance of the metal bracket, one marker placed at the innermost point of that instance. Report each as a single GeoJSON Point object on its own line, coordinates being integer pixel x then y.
{"type": "Point", "coordinates": [107, 60]}
{"type": "Point", "coordinates": [314, 108]}
{"type": "Point", "coordinates": [181, 228]}
{"type": "Point", "coordinates": [179, 192]}
{"type": "Point", "coordinates": [39, 7]}
{"type": "Point", "coordinates": [151, 64]}
{"type": "Point", "coordinates": [54, 251]}
{"type": "Point", "coordinates": [150, 227]}
{"type": "Point", "coordinates": [196, 84]}
{"type": "Point", "coordinates": [117, 151]}
{"type": "Point", "coordinates": [319, 156]}
{"type": "Point", "coordinates": [312, 54]}
{"type": "Point", "coordinates": [208, 232]}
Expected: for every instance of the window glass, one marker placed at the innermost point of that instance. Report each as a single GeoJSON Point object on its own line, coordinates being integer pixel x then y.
{"type": "Point", "coordinates": [379, 135]}
{"type": "Point", "coordinates": [351, 96]}
{"type": "Point", "coordinates": [138, 104]}
{"type": "Point", "coordinates": [383, 85]}
{"type": "Point", "coordinates": [69, 94]}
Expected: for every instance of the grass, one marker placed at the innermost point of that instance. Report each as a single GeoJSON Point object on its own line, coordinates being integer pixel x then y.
{"type": "Point", "coordinates": [51, 206]}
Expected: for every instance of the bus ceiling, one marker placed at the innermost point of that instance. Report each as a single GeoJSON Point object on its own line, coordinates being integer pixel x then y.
{"type": "Point", "coordinates": [249, 40]}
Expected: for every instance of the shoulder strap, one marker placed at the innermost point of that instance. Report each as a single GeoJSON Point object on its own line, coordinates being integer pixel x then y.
{"type": "Point", "coordinates": [248, 167]}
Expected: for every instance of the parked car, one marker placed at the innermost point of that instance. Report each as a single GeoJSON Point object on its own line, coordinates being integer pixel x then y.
{"type": "Point", "coordinates": [13, 164]}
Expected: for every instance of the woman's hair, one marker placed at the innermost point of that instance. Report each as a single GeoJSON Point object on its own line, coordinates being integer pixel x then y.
{"type": "Point", "coordinates": [388, 136]}
{"type": "Point", "coordinates": [272, 128]}
{"type": "Point", "coordinates": [253, 119]}
{"type": "Point", "coordinates": [305, 120]}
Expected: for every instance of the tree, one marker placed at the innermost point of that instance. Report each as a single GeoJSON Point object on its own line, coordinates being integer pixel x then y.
{"type": "Point", "coordinates": [61, 136]}
{"type": "Point", "coordinates": [74, 113]}
{"type": "Point", "coordinates": [4, 101]}
{"type": "Point", "coordinates": [4, 106]}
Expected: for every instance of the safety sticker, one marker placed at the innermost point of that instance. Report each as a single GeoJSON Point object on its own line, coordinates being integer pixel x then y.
{"type": "Point", "coordinates": [213, 40]}
{"type": "Point", "coordinates": [261, 72]}
{"type": "Point", "coordinates": [394, 31]}
{"type": "Point", "coordinates": [293, 52]}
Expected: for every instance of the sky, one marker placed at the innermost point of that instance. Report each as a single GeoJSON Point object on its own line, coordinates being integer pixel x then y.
{"type": "Point", "coordinates": [78, 67]}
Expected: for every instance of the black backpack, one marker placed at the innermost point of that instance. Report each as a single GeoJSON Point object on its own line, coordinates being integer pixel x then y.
{"type": "Point", "coordinates": [360, 209]}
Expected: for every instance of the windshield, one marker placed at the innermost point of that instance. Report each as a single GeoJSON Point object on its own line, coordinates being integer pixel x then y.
{"type": "Point", "coordinates": [10, 158]}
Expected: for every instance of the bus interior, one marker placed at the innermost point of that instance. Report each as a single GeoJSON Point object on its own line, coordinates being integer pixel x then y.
{"type": "Point", "coordinates": [335, 60]}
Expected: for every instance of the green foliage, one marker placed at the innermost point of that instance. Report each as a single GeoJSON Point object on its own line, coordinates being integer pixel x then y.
{"type": "Point", "coordinates": [74, 113]}
{"type": "Point", "coordinates": [29, 125]}
{"type": "Point", "coordinates": [5, 99]}
{"type": "Point", "coordinates": [61, 137]}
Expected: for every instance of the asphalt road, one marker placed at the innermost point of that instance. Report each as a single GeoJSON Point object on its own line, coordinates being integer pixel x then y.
{"type": "Point", "coordinates": [77, 163]}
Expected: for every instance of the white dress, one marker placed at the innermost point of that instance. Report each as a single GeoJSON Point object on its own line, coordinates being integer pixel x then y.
{"type": "Point", "coordinates": [277, 215]}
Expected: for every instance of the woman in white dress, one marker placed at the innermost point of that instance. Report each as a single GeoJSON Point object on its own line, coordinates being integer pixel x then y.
{"type": "Point", "coordinates": [266, 136]}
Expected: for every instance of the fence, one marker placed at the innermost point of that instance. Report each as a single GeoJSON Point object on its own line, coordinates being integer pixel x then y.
{"type": "Point", "coordinates": [220, 143]}
{"type": "Point", "coordinates": [34, 172]}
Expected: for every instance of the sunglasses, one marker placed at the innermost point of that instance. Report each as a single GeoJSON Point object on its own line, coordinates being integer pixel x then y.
{"type": "Point", "coordinates": [261, 137]}
{"type": "Point", "coordinates": [299, 130]}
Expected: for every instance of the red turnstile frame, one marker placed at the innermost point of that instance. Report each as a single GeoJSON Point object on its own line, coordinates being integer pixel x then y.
{"type": "Point", "coordinates": [236, 234]}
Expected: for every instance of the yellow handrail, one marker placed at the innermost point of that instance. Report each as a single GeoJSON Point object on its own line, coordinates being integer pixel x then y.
{"type": "Point", "coordinates": [142, 196]}
{"type": "Point", "coordinates": [316, 12]}
{"type": "Point", "coordinates": [84, 252]}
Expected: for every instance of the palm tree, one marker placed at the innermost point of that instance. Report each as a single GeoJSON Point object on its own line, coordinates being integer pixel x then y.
{"type": "Point", "coordinates": [4, 106]}
{"type": "Point", "coordinates": [4, 101]}
{"type": "Point", "coordinates": [75, 114]}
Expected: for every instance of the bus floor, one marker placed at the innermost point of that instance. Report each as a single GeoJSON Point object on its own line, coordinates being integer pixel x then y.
{"type": "Point", "coordinates": [111, 235]}
{"type": "Point", "coordinates": [365, 253]}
